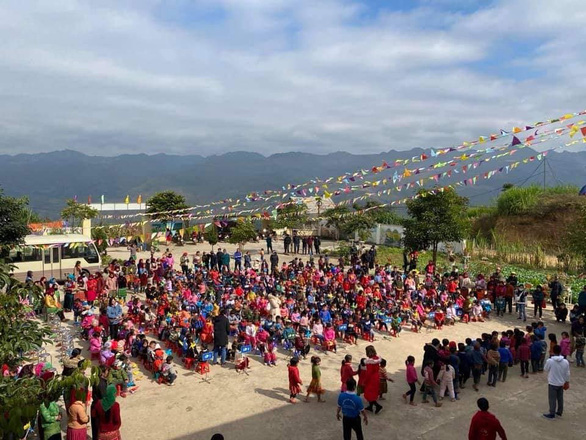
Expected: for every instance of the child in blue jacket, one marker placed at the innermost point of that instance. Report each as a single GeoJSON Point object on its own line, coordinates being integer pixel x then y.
{"type": "Point", "coordinates": [505, 361]}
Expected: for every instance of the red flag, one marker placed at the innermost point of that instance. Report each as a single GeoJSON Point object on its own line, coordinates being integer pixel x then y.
{"type": "Point", "coordinates": [583, 130]}
{"type": "Point", "coordinates": [89, 200]}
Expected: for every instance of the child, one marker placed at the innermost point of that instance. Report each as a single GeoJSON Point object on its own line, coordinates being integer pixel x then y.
{"type": "Point", "coordinates": [270, 356]}
{"type": "Point", "coordinates": [506, 360]}
{"type": "Point", "coordinates": [117, 376]}
{"type": "Point", "coordinates": [315, 384]}
{"type": "Point", "coordinates": [429, 384]}
{"type": "Point", "coordinates": [561, 313]}
{"type": "Point", "coordinates": [294, 380]}
{"type": "Point", "coordinates": [493, 359]}
{"type": "Point", "coordinates": [384, 377]}
{"type": "Point", "coordinates": [346, 371]}
{"type": "Point", "coordinates": [535, 354]}
{"type": "Point", "coordinates": [524, 357]}
{"type": "Point", "coordinates": [553, 341]}
{"type": "Point", "coordinates": [169, 372]}
{"type": "Point", "coordinates": [361, 376]}
{"type": "Point", "coordinates": [446, 378]}
{"type": "Point", "coordinates": [580, 343]}
{"type": "Point", "coordinates": [565, 344]}
{"type": "Point", "coordinates": [411, 376]}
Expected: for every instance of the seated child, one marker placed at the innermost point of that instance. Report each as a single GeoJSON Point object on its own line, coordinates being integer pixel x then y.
{"type": "Point", "coordinates": [168, 371]}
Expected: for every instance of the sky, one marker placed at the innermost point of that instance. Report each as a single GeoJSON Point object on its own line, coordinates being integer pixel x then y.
{"type": "Point", "coordinates": [210, 76]}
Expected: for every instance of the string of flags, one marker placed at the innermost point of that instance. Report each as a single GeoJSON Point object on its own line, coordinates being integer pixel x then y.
{"type": "Point", "coordinates": [326, 192]}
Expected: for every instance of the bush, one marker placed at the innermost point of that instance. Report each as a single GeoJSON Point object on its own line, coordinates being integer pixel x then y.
{"type": "Point", "coordinates": [518, 200]}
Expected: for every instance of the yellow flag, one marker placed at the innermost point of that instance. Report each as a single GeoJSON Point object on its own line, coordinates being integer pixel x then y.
{"type": "Point", "coordinates": [139, 199]}
{"type": "Point", "coordinates": [127, 199]}
{"type": "Point", "coordinates": [516, 130]}
{"type": "Point", "coordinates": [406, 173]}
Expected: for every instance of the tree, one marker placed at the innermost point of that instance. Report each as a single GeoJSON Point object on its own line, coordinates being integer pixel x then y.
{"type": "Point", "coordinates": [360, 223]}
{"type": "Point", "coordinates": [435, 216]}
{"type": "Point", "coordinates": [166, 201]}
{"type": "Point", "coordinates": [336, 217]}
{"type": "Point", "coordinates": [211, 235]}
{"type": "Point", "coordinates": [291, 215]}
{"type": "Point", "coordinates": [243, 232]}
{"type": "Point", "coordinates": [14, 215]}
{"type": "Point", "coordinates": [77, 211]}
{"type": "Point", "coordinates": [100, 236]}
{"type": "Point", "coordinates": [20, 337]}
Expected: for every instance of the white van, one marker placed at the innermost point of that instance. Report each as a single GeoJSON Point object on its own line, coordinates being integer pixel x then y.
{"type": "Point", "coordinates": [54, 256]}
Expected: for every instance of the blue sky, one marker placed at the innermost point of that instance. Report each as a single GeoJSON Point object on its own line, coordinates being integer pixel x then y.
{"type": "Point", "coordinates": [210, 76]}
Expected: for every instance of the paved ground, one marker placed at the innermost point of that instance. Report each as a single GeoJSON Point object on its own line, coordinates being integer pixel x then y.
{"type": "Point", "coordinates": [248, 407]}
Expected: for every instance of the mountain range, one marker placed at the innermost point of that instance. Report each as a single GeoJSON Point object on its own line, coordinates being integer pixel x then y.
{"type": "Point", "coordinates": [48, 179]}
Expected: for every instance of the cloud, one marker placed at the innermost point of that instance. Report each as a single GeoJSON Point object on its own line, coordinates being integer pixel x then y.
{"type": "Point", "coordinates": [205, 77]}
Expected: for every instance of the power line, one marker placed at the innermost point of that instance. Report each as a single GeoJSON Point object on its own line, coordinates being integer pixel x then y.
{"type": "Point", "coordinates": [513, 182]}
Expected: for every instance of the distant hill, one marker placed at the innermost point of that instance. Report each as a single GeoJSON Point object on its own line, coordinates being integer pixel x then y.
{"type": "Point", "coordinates": [50, 178]}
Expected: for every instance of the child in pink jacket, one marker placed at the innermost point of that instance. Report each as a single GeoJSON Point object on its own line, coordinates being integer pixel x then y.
{"type": "Point", "coordinates": [565, 344]}
{"type": "Point", "coordinates": [412, 379]}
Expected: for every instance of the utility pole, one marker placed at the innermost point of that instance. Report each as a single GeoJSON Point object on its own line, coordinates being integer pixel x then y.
{"type": "Point", "coordinates": [544, 159]}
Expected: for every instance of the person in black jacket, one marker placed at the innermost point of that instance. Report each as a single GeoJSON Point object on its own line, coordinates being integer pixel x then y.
{"type": "Point", "coordinates": [221, 332]}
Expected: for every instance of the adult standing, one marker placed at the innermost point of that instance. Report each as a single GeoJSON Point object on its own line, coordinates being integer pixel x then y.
{"type": "Point", "coordinates": [221, 332]}
{"type": "Point", "coordinates": [484, 425]}
{"type": "Point", "coordinates": [114, 313]}
{"type": "Point", "coordinates": [431, 353]}
{"type": "Point", "coordinates": [582, 301]}
{"type": "Point", "coordinates": [50, 416]}
{"type": "Point", "coordinates": [238, 259]}
{"type": "Point", "coordinates": [225, 260]}
{"type": "Point", "coordinates": [98, 393]}
{"type": "Point", "coordinates": [77, 421]}
{"type": "Point", "coordinates": [538, 299]}
{"type": "Point", "coordinates": [274, 261]}
{"type": "Point", "coordinates": [555, 291]}
{"type": "Point", "coordinates": [275, 306]}
{"type": "Point", "coordinates": [558, 379]}
{"type": "Point", "coordinates": [372, 380]}
{"type": "Point", "coordinates": [269, 241]}
{"type": "Point", "coordinates": [351, 408]}
{"type": "Point", "coordinates": [107, 411]}
{"type": "Point", "coordinates": [287, 243]}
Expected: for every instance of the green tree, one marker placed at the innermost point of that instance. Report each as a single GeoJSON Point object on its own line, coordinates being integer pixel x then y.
{"type": "Point", "coordinates": [292, 215]}
{"type": "Point", "coordinates": [166, 201]}
{"type": "Point", "coordinates": [100, 236]}
{"type": "Point", "coordinates": [211, 235]}
{"type": "Point", "coordinates": [336, 217]}
{"type": "Point", "coordinates": [359, 223]}
{"type": "Point", "coordinates": [435, 216]}
{"type": "Point", "coordinates": [14, 219]}
{"type": "Point", "coordinates": [20, 337]}
{"type": "Point", "coordinates": [77, 211]}
{"type": "Point", "coordinates": [243, 232]}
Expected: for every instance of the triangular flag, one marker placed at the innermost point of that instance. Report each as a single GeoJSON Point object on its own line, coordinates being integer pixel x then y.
{"type": "Point", "coordinates": [515, 141]}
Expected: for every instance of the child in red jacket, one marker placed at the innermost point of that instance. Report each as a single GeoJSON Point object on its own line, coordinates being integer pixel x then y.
{"type": "Point", "coordinates": [524, 356]}
{"type": "Point", "coordinates": [294, 380]}
{"type": "Point", "coordinates": [484, 425]}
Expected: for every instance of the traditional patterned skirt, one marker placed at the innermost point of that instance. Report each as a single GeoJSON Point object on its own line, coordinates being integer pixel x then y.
{"type": "Point", "coordinates": [112, 435]}
{"type": "Point", "coordinates": [76, 434]}
{"type": "Point", "coordinates": [315, 387]}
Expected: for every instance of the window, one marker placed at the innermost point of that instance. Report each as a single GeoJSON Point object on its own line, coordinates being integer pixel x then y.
{"type": "Point", "coordinates": [25, 254]}
{"type": "Point", "coordinates": [80, 251]}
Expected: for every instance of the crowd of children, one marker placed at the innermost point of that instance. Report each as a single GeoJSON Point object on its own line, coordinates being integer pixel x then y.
{"type": "Point", "coordinates": [141, 306]}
